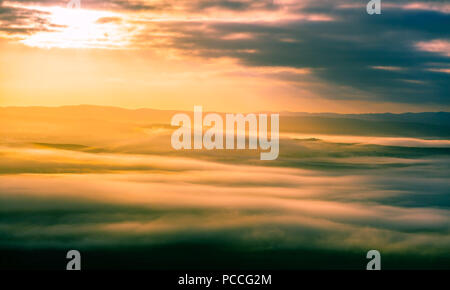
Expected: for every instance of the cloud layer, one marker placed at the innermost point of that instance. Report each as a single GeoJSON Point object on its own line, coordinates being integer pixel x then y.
{"type": "Point", "coordinates": [124, 188]}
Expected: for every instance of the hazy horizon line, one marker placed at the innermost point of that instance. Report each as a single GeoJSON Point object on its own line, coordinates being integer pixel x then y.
{"type": "Point", "coordinates": [215, 111]}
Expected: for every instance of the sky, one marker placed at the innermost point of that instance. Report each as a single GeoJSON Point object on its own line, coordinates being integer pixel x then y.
{"type": "Point", "coordinates": [227, 55]}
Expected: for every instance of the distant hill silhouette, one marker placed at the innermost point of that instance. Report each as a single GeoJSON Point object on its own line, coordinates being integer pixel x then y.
{"type": "Point", "coordinates": [426, 124]}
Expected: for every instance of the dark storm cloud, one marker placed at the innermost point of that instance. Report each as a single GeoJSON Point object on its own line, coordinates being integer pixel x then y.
{"type": "Point", "coordinates": [236, 5]}
{"type": "Point", "coordinates": [15, 20]}
{"type": "Point", "coordinates": [138, 5]}
{"type": "Point", "coordinates": [376, 56]}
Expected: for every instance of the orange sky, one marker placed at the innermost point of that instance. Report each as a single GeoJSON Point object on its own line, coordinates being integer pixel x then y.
{"type": "Point", "coordinates": [127, 57]}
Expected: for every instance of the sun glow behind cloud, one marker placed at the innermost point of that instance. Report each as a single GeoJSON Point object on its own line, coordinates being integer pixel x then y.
{"type": "Point", "coordinates": [80, 28]}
